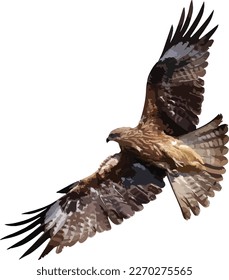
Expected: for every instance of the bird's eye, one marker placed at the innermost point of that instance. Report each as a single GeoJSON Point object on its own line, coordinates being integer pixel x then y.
{"type": "Point", "coordinates": [114, 135]}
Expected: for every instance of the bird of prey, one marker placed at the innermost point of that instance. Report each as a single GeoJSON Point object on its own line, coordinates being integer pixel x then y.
{"type": "Point", "coordinates": [165, 142]}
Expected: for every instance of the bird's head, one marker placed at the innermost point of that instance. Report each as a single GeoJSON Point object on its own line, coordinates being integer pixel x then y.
{"type": "Point", "coordinates": [118, 134]}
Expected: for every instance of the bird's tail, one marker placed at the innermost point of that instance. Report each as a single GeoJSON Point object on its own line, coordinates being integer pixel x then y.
{"type": "Point", "coordinates": [194, 187]}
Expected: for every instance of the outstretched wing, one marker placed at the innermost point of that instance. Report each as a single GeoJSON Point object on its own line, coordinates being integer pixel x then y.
{"type": "Point", "coordinates": [174, 92]}
{"type": "Point", "coordinates": [118, 189]}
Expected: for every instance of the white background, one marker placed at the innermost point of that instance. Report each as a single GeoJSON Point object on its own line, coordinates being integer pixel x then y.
{"type": "Point", "coordinates": [70, 72]}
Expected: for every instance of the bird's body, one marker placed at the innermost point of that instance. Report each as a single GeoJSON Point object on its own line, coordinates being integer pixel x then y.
{"type": "Point", "coordinates": [166, 142]}
{"type": "Point", "coordinates": [157, 148]}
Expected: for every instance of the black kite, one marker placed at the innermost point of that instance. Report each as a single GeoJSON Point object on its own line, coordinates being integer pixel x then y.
{"type": "Point", "coordinates": [164, 143]}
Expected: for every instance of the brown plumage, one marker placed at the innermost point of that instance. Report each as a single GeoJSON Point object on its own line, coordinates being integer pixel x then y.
{"type": "Point", "coordinates": [164, 143]}
{"type": "Point", "coordinates": [157, 148]}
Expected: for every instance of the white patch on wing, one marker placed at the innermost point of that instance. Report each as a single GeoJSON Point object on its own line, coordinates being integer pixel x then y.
{"type": "Point", "coordinates": [77, 208]}
{"type": "Point", "coordinates": [55, 218]}
{"type": "Point", "coordinates": [180, 50]}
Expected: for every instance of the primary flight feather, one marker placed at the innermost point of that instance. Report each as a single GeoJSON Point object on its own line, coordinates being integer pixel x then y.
{"type": "Point", "coordinates": [166, 142]}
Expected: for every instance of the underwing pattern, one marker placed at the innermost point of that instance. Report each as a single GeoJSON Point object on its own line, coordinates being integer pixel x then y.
{"type": "Point", "coordinates": [166, 142]}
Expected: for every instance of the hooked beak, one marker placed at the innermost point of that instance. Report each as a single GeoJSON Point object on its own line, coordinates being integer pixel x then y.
{"type": "Point", "coordinates": [113, 137]}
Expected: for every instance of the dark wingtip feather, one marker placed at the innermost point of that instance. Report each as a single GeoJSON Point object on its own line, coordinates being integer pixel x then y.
{"type": "Point", "coordinates": [181, 21]}
{"type": "Point", "coordinates": [39, 242]}
{"type": "Point", "coordinates": [37, 210]}
{"type": "Point", "coordinates": [188, 19]}
{"type": "Point", "coordinates": [24, 229]}
{"type": "Point", "coordinates": [196, 22]}
{"type": "Point", "coordinates": [5, 237]}
{"type": "Point", "coordinates": [47, 250]}
{"type": "Point", "coordinates": [202, 28]}
{"type": "Point", "coordinates": [179, 26]}
{"type": "Point", "coordinates": [168, 40]}
{"type": "Point", "coordinates": [68, 188]}
{"type": "Point", "coordinates": [207, 36]}
{"type": "Point", "coordinates": [183, 32]}
{"type": "Point", "coordinates": [28, 237]}
{"type": "Point", "coordinates": [23, 222]}
{"type": "Point", "coordinates": [191, 6]}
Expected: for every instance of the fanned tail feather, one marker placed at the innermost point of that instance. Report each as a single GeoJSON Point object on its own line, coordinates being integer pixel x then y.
{"type": "Point", "coordinates": [194, 188]}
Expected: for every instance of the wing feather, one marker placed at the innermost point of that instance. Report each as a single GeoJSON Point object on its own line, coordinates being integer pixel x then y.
{"type": "Point", "coordinates": [115, 192]}
{"type": "Point", "coordinates": [123, 184]}
{"type": "Point", "coordinates": [174, 92]}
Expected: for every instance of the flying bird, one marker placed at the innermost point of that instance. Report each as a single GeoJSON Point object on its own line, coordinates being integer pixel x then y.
{"type": "Point", "coordinates": [166, 142]}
